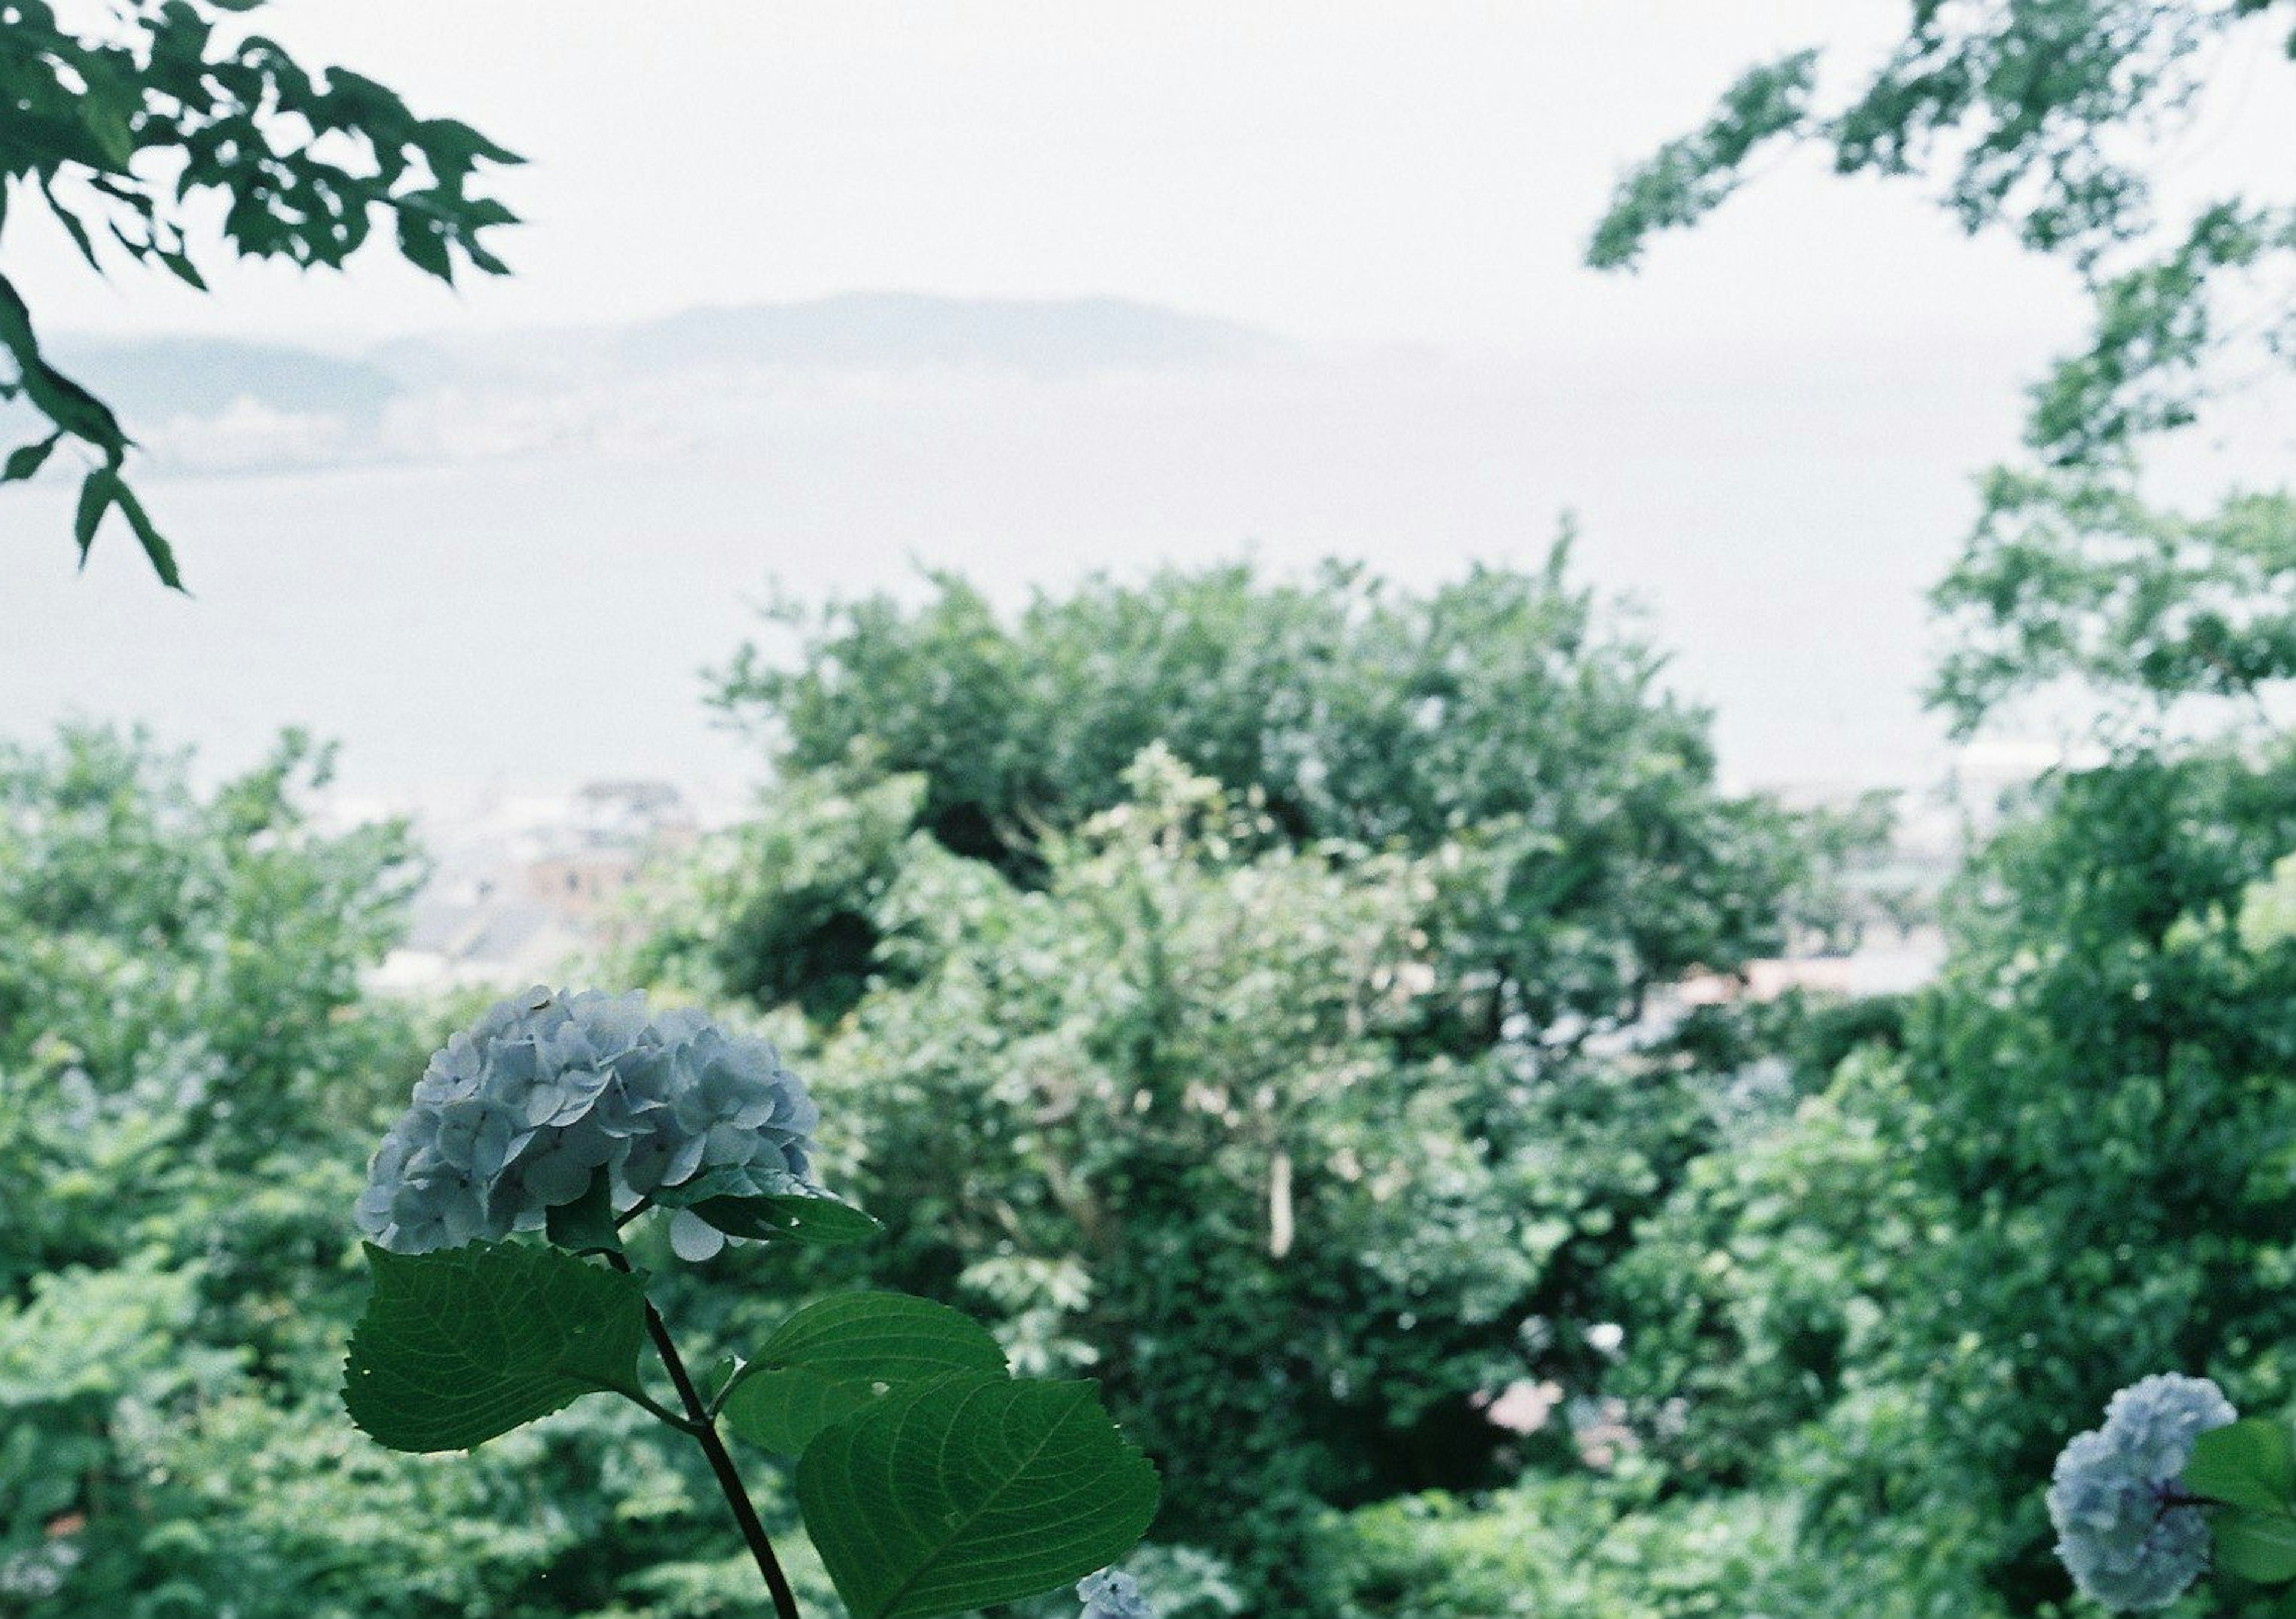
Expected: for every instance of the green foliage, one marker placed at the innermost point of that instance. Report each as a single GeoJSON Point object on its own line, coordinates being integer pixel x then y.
{"type": "Point", "coordinates": [1760, 1287]}
{"type": "Point", "coordinates": [190, 1079]}
{"type": "Point", "coordinates": [274, 1508]}
{"type": "Point", "coordinates": [2249, 1463]}
{"type": "Point", "coordinates": [463, 1346]}
{"type": "Point", "coordinates": [2259, 1546]}
{"type": "Point", "coordinates": [971, 1490]}
{"type": "Point", "coordinates": [1504, 720]}
{"type": "Point", "coordinates": [2069, 1166]}
{"type": "Point", "coordinates": [2072, 1172]}
{"type": "Point", "coordinates": [2036, 93]}
{"type": "Point", "coordinates": [2160, 335]}
{"type": "Point", "coordinates": [118, 130]}
{"type": "Point", "coordinates": [2052, 118]}
{"type": "Point", "coordinates": [1689, 178]}
{"type": "Point", "coordinates": [834, 1356]}
{"type": "Point", "coordinates": [1170, 1109]}
{"type": "Point", "coordinates": [1240, 1021]}
{"type": "Point", "coordinates": [1165, 1070]}
{"type": "Point", "coordinates": [1574, 1547]}
{"type": "Point", "coordinates": [930, 1480]}
{"type": "Point", "coordinates": [184, 1051]}
{"type": "Point", "coordinates": [1187, 1099]}
{"type": "Point", "coordinates": [781, 908]}
{"type": "Point", "coordinates": [172, 964]}
{"type": "Point", "coordinates": [2069, 579]}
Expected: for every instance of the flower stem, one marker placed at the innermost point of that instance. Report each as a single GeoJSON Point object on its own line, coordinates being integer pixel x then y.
{"type": "Point", "coordinates": [704, 1430]}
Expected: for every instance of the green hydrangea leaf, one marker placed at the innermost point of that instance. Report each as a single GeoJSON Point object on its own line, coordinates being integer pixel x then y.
{"type": "Point", "coordinates": [2249, 1463]}
{"type": "Point", "coordinates": [2259, 1546]}
{"type": "Point", "coordinates": [727, 1199]}
{"type": "Point", "coordinates": [969, 1491]}
{"type": "Point", "coordinates": [460, 1346]}
{"type": "Point", "coordinates": [708, 1183]}
{"type": "Point", "coordinates": [832, 1358]}
{"type": "Point", "coordinates": [789, 1217]}
{"type": "Point", "coordinates": [587, 1225]}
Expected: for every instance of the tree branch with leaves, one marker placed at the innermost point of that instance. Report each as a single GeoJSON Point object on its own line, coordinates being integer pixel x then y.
{"type": "Point", "coordinates": [115, 133]}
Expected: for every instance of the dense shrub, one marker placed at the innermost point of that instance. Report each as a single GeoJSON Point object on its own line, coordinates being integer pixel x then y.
{"type": "Point", "coordinates": [1241, 989]}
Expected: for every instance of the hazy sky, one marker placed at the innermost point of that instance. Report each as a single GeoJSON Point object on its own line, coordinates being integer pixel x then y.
{"type": "Point", "coordinates": [1338, 170]}
{"type": "Point", "coordinates": [1770, 431]}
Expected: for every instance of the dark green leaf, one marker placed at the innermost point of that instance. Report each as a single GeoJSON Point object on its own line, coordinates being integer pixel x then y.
{"type": "Point", "coordinates": [423, 242]}
{"type": "Point", "coordinates": [969, 1491]}
{"type": "Point", "coordinates": [156, 549]}
{"type": "Point", "coordinates": [709, 1183]}
{"type": "Point", "coordinates": [2249, 1463]}
{"type": "Point", "coordinates": [462, 1345]}
{"type": "Point", "coordinates": [184, 269]}
{"type": "Point", "coordinates": [587, 1225]}
{"type": "Point", "coordinates": [832, 1358]}
{"type": "Point", "coordinates": [104, 114]}
{"type": "Point", "coordinates": [816, 1222]}
{"type": "Point", "coordinates": [28, 459]}
{"type": "Point", "coordinates": [459, 141]}
{"type": "Point", "coordinates": [95, 493]}
{"type": "Point", "coordinates": [720, 1380]}
{"type": "Point", "coordinates": [73, 228]}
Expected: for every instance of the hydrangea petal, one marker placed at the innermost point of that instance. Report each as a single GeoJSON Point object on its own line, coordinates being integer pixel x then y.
{"type": "Point", "coordinates": [1111, 1595]}
{"type": "Point", "coordinates": [694, 1239]}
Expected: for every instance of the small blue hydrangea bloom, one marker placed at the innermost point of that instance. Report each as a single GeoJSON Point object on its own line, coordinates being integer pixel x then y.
{"type": "Point", "coordinates": [521, 1111]}
{"type": "Point", "coordinates": [1111, 1595]}
{"type": "Point", "coordinates": [2126, 1530]}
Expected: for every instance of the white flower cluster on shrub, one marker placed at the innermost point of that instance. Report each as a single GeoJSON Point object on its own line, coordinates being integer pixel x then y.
{"type": "Point", "coordinates": [1111, 1595]}
{"type": "Point", "coordinates": [2126, 1529]}
{"type": "Point", "coordinates": [518, 1112]}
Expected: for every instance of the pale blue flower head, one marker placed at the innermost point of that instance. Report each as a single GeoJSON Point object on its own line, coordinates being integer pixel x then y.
{"type": "Point", "coordinates": [2130, 1536]}
{"type": "Point", "coordinates": [1111, 1595]}
{"type": "Point", "coordinates": [518, 1114]}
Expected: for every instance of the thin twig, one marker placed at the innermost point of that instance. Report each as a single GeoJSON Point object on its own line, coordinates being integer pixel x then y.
{"type": "Point", "coordinates": [684, 1425]}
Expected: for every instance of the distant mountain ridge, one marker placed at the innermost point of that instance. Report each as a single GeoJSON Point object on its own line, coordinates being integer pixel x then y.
{"type": "Point", "coordinates": [896, 330]}
{"type": "Point", "coordinates": [161, 378]}
{"type": "Point", "coordinates": [168, 378]}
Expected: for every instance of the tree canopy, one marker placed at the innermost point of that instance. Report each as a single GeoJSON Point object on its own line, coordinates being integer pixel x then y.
{"type": "Point", "coordinates": [1246, 989]}
{"type": "Point", "coordinates": [2058, 120]}
{"type": "Point", "coordinates": [1506, 720]}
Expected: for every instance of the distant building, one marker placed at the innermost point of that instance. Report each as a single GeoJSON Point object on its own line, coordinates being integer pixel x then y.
{"type": "Point", "coordinates": [581, 868]}
{"type": "Point", "coordinates": [536, 887]}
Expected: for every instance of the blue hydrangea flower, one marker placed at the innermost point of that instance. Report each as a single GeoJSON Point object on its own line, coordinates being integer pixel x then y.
{"type": "Point", "coordinates": [520, 1112]}
{"type": "Point", "coordinates": [2126, 1530]}
{"type": "Point", "coordinates": [1111, 1595]}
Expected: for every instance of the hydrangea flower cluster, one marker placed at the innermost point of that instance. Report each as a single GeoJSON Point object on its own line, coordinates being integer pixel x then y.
{"type": "Point", "coordinates": [1111, 1595]}
{"type": "Point", "coordinates": [518, 1112]}
{"type": "Point", "coordinates": [2130, 1536]}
